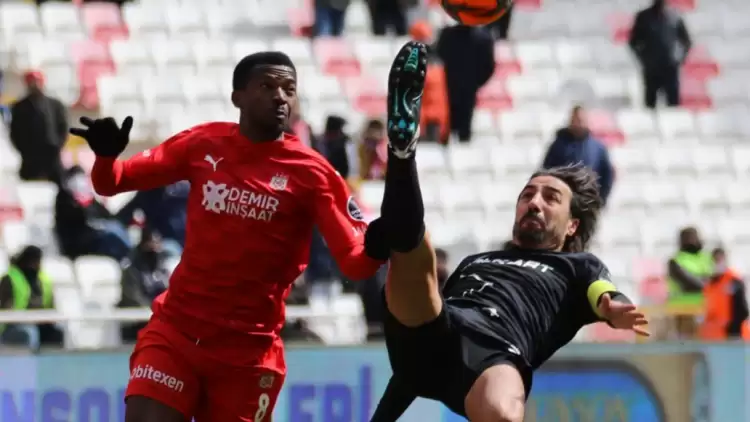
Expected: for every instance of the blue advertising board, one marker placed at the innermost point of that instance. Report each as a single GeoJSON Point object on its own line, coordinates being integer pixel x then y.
{"type": "Point", "coordinates": [600, 383]}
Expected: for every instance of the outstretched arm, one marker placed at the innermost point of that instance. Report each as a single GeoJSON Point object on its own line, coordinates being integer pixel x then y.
{"type": "Point", "coordinates": [342, 225]}
{"type": "Point", "coordinates": [163, 165]}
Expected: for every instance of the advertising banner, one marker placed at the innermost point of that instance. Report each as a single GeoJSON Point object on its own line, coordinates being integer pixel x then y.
{"type": "Point", "coordinates": [597, 383]}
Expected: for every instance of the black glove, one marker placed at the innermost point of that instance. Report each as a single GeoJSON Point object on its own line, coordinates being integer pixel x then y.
{"type": "Point", "coordinates": [376, 245]}
{"type": "Point", "coordinates": [104, 137]}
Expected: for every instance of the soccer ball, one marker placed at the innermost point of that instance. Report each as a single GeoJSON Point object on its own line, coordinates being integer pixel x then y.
{"type": "Point", "coordinates": [476, 12]}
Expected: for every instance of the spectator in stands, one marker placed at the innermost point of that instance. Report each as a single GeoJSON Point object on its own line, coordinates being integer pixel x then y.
{"type": "Point", "coordinates": [26, 286]}
{"type": "Point", "coordinates": [144, 277]}
{"type": "Point", "coordinates": [575, 144]}
{"type": "Point", "coordinates": [726, 315]}
{"type": "Point", "coordinates": [371, 293]}
{"type": "Point", "coordinates": [434, 120]}
{"type": "Point", "coordinates": [386, 14]}
{"type": "Point", "coordinates": [660, 41]}
{"type": "Point", "coordinates": [38, 131]}
{"type": "Point", "coordinates": [165, 210]}
{"type": "Point", "coordinates": [336, 145]}
{"type": "Point", "coordinates": [329, 17]}
{"type": "Point", "coordinates": [83, 225]}
{"type": "Point", "coordinates": [688, 272]}
{"type": "Point", "coordinates": [468, 56]}
{"type": "Point", "coordinates": [373, 151]}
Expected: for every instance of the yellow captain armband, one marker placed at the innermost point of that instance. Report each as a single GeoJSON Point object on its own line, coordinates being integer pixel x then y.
{"type": "Point", "coordinates": [596, 290]}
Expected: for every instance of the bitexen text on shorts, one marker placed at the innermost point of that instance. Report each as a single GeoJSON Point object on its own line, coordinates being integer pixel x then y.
{"type": "Point", "coordinates": [149, 373]}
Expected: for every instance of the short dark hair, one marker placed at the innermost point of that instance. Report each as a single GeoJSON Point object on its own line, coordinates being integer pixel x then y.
{"type": "Point", "coordinates": [585, 204]}
{"type": "Point", "coordinates": [245, 68]}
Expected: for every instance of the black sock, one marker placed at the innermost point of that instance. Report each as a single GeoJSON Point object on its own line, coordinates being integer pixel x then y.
{"type": "Point", "coordinates": [402, 209]}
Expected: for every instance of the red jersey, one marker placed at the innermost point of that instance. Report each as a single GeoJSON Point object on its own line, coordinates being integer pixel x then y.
{"type": "Point", "coordinates": [251, 212]}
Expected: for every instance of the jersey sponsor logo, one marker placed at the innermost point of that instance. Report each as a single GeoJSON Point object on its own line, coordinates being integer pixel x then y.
{"type": "Point", "coordinates": [210, 160]}
{"type": "Point", "coordinates": [147, 372]}
{"type": "Point", "coordinates": [218, 198]}
{"type": "Point", "coordinates": [353, 209]}
{"type": "Point", "coordinates": [523, 263]}
{"type": "Point", "coordinates": [279, 182]}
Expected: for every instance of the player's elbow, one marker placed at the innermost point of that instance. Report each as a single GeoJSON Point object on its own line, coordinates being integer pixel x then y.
{"type": "Point", "coordinates": [359, 269]}
{"type": "Point", "coordinates": [104, 189]}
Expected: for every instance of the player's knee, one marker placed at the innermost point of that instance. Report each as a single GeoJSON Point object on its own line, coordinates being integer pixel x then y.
{"type": "Point", "coordinates": [145, 409]}
{"type": "Point", "coordinates": [498, 395]}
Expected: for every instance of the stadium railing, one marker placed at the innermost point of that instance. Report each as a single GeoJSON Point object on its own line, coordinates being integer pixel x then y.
{"type": "Point", "coordinates": [130, 315]}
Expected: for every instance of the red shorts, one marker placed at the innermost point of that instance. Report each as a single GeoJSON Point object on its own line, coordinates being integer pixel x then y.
{"type": "Point", "coordinates": [172, 369]}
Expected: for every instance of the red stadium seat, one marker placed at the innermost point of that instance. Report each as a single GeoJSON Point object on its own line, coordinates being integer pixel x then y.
{"type": "Point", "coordinates": [506, 62]}
{"type": "Point", "coordinates": [684, 5]}
{"type": "Point", "coordinates": [494, 96]}
{"type": "Point", "coordinates": [528, 4]}
{"type": "Point", "coordinates": [694, 94]}
{"type": "Point", "coordinates": [367, 94]}
{"type": "Point", "coordinates": [103, 21]}
{"type": "Point", "coordinates": [700, 65]}
{"type": "Point", "coordinates": [92, 60]}
{"type": "Point", "coordinates": [336, 57]}
{"type": "Point", "coordinates": [10, 208]}
{"type": "Point", "coordinates": [604, 126]}
{"type": "Point", "coordinates": [620, 24]}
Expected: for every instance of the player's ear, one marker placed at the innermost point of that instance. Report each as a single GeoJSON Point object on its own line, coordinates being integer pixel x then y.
{"type": "Point", "coordinates": [237, 99]}
{"type": "Point", "coordinates": [572, 226]}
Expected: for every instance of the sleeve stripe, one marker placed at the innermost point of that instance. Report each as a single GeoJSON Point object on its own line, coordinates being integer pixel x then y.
{"type": "Point", "coordinates": [596, 290]}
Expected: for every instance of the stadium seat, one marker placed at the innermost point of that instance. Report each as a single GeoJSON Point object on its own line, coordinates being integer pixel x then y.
{"type": "Point", "coordinates": [497, 197]}
{"type": "Point", "coordinates": [335, 56]}
{"type": "Point", "coordinates": [60, 20]}
{"type": "Point", "coordinates": [465, 159]}
{"type": "Point", "coordinates": [675, 124]}
{"type": "Point", "coordinates": [49, 52]}
{"type": "Point", "coordinates": [19, 20]}
{"type": "Point", "coordinates": [60, 270]}
{"type": "Point", "coordinates": [432, 159]}
{"type": "Point", "coordinates": [522, 126]}
{"type": "Point", "coordinates": [634, 161]}
{"type": "Point", "coordinates": [16, 236]}
{"type": "Point", "coordinates": [373, 51]}
{"type": "Point", "coordinates": [37, 200]}
{"type": "Point", "coordinates": [575, 56]}
{"type": "Point", "coordinates": [507, 160]}
{"type": "Point", "coordinates": [242, 48]}
{"type": "Point", "coordinates": [531, 89]}
{"type": "Point", "coordinates": [91, 270]}
{"type": "Point", "coordinates": [740, 156]}
{"type": "Point", "coordinates": [210, 54]}
{"type": "Point", "coordinates": [506, 62]}
{"type": "Point", "coordinates": [460, 196]}
{"type": "Point", "coordinates": [143, 21]}
{"type": "Point", "coordinates": [173, 56]}
{"type": "Point", "coordinates": [371, 194]}
{"type": "Point", "coordinates": [494, 96]}
{"type": "Point", "coordinates": [4, 262]}
{"type": "Point", "coordinates": [712, 160]}
{"type": "Point", "coordinates": [103, 21]}
{"type": "Point", "coordinates": [535, 56]}
{"type": "Point", "coordinates": [186, 22]}
{"type": "Point", "coordinates": [298, 50]}
{"type": "Point", "coordinates": [637, 124]}
{"type": "Point", "coordinates": [320, 87]}
{"type": "Point", "coordinates": [367, 94]}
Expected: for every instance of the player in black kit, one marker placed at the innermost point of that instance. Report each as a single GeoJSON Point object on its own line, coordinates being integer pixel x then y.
{"type": "Point", "coordinates": [473, 343]}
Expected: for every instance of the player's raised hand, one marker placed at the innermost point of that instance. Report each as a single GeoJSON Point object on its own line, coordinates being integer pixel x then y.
{"type": "Point", "coordinates": [624, 316]}
{"type": "Point", "coordinates": [104, 137]}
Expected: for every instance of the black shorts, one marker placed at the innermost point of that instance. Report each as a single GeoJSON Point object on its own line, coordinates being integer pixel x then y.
{"type": "Point", "coordinates": [442, 359]}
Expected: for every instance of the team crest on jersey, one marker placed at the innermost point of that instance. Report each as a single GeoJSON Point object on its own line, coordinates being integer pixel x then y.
{"type": "Point", "coordinates": [279, 182]}
{"type": "Point", "coordinates": [266, 381]}
{"type": "Point", "coordinates": [354, 212]}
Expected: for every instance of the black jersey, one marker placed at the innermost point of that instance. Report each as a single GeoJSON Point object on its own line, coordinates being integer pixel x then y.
{"type": "Point", "coordinates": [536, 301]}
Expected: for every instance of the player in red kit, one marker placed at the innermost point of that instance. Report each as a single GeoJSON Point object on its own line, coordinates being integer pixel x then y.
{"type": "Point", "coordinates": [212, 350]}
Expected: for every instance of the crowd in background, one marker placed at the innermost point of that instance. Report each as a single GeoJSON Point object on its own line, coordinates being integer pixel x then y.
{"type": "Point", "coordinates": [461, 61]}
